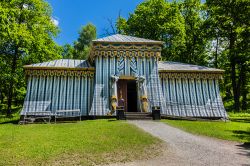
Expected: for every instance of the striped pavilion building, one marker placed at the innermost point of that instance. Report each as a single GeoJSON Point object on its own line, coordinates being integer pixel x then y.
{"type": "Point", "coordinates": [124, 68]}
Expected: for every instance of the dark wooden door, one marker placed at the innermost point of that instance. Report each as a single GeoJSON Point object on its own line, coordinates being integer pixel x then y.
{"type": "Point", "coordinates": [122, 92]}
{"type": "Point", "coordinates": [127, 91]}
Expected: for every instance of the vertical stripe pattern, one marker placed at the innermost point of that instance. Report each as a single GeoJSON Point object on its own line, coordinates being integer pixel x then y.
{"type": "Point", "coordinates": [187, 97]}
{"type": "Point", "coordinates": [124, 66]}
{"type": "Point", "coordinates": [53, 93]}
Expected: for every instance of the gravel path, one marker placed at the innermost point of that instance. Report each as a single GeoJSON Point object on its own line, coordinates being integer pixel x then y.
{"type": "Point", "coordinates": [183, 148]}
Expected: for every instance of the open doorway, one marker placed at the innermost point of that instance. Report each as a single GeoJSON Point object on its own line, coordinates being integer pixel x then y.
{"type": "Point", "coordinates": [128, 92]}
{"type": "Point", "coordinates": [132, 96]}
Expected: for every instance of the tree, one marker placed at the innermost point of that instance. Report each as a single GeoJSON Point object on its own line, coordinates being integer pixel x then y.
{"type": "Point", "coordinates": [232, 20]}
{"type": "Point", "coordinates": [68, 51]}
{"type": "Point", "coordinates": [121, 25]}
{"type": "Point", "coordinates": [158, 20]}
{"type": "Point", "coordinates": [26, 36]}
{"type": "Point", "coordinates": [195, 40]}
{"type": "Point", "coordinates": [83, 43]}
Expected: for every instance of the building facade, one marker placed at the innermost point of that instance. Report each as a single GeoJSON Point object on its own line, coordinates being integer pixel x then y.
{"type": "Point", "coordinates": [124, 68]}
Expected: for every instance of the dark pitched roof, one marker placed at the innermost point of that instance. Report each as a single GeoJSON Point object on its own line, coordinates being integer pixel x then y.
{"type": "Point", "coordinates": [61, 64]}
{"type": "Point", "coordinates": [168, 66]}
{"type": "Point", "coordinates": [126, 39]}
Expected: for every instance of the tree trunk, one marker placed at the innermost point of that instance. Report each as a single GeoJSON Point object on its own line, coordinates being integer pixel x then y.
{"type": "Point", "coordinates": [236, 93]}
{"type": "Point", "coordinates": [1, 96]}
{"type": "Point", "coordinates": [15, 98]}
{"type": "Point", "coordinates": [235, 89]}
{"type": "Point", "coordinates": [216, 53]}
{"type": "Point", "coordinates": [244, 87]}
{"type": "Point", "coordinates": [13, 71]}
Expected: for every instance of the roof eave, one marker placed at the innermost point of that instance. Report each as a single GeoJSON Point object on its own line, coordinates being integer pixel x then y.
{"type": "Point", "coordinates": [192, 71]}
{"type": "Point", "coordinates": [57, 68]}
{"type": "Point", "coordinates": [145, 43]}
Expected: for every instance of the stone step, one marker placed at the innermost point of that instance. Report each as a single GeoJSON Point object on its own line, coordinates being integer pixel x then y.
{"type": "Point", "coordinates": [138, 116]}
{"type": "Point", "coordinates": [137, 113]}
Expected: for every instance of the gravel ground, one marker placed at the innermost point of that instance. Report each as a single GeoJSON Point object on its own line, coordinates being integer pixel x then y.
{"type": "Point", "coordinates": [183, 148]}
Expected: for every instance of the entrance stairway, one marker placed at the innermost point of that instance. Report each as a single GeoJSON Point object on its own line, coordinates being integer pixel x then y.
{"type": "Point", "coordinates": [138, 115]}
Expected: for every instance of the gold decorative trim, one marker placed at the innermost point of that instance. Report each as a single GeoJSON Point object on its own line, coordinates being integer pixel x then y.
{"type": "Point", "coordinates": [217, 71]}
{"type": "Point", "coordinates": [122, 77]}
{"type": "Point", "coordinates": [129, 54]}
{"type": "Point", "coordinates": [130, 50]}
{"type": "Point", "coordinates": [191, 75]}
{"type": "Point", "coordinates": [72, 73]}
{"type": "Point", "coordinates": [126, 47]}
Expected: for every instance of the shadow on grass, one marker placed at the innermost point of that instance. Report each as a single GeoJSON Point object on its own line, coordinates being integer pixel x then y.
{"type": "Point", "coordinates": [243, 120]}
{"type": "Point", "coordinates": [112, 120]}
{"type": "Point", "coordinates": [14, 117]}
{"type": "Point", "coordinates": [61, 122]}
{"type": "Point", "coordinates": [11, 121]}
{"type": "Point", "coordinates": [243, 135]}
{"type": "Point", "coordinates": [6, 120]}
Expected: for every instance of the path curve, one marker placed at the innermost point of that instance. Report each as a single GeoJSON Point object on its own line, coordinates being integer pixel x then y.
{"type": "Point", "coordinates": [183, 148]}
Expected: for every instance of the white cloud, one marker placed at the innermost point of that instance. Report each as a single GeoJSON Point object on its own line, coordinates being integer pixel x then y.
{"type": "Point", "coordinates": [55, 21]}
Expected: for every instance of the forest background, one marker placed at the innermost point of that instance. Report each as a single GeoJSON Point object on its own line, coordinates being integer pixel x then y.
{"type": "Point", "coordinates": [213, 33]}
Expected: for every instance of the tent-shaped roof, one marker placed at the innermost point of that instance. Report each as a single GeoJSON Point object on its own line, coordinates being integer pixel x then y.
{"type": "Point", "coordinates": [164, 66]}
{"type": "Point", "coordinates": [168, 66]}
{"type": "Point", "coordinates": [126, 39]}
{"type": "Point", "coordinates": [61, 64]}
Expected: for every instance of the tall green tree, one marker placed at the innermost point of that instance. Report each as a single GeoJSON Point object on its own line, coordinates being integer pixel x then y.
{"type": "Point", "coordinates": [68, 51]}
{"type": "Point", "coordinates": [26, 36]}
{"type": "Point", "coordinates": [158, 20]}
{"type": "Point", "coordinates": [215, 33]}
{"type": "Point", "coordinates": [195, 40]}
{"type": "Point", "coordinates": [83, 43]}
{"type": "Point", "coordinates": [231, 18]}
{"type": "Point", "coordinates": [121, 25]}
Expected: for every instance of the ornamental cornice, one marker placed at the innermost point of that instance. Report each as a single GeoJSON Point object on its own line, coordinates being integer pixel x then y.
{"type": "Point", "coordinates": [187, 75]}
{"type": "Point", "coordinates": [125, 50]}
{"type": "Point", "coordinates": [127, 53]}
{"type": "Point", "coordinates": [125, 47]}
{"type": "Point", "coordinates": [54, 72]}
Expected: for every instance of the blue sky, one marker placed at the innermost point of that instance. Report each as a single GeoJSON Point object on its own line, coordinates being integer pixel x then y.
{"type": "Point", "coordinates": [72, 14]}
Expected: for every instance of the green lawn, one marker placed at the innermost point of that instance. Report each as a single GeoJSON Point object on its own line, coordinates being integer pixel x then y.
{"type": "Point", "coordinates": [15, 118]}
{"type": "Point", "coordinates": [82, 143]}
{"type": "Point", "coordinates": [239, 117]}
{"type": "Point", "coordinates": [233, 130]}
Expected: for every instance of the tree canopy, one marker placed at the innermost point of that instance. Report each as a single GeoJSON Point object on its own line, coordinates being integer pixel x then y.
{"type": "Point", "coordinates": [83, 43]}
{"type": "Point", "coordinates": [26, 36]}
{"type": "Point", "coordinates": [159, 20]}
{"type": "Point", "coordinates": [229, 21]}
{"type": "Point", "coordinates": [81, 46]}
{"type": "Point", "coordinates": [215, 33]}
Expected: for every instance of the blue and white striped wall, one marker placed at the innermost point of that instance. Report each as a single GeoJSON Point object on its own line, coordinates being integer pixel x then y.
{"type": "Point", "coordinates": [51, 93]}
{"type": "Point", "coordinates": [124, 66]}
{"type": "Point", "coordinates": [192, 97]}
{"type": "Point", "coordinates": [73, 84]}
